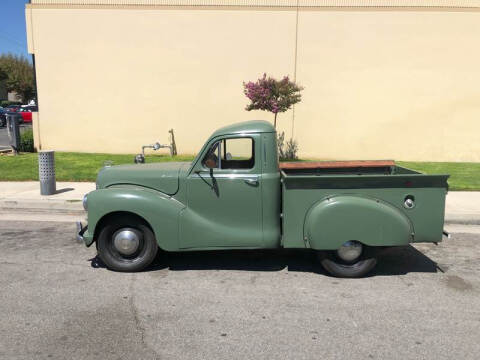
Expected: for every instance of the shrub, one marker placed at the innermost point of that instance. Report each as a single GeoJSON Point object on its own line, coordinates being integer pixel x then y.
{"type": "Point", "coordinates": [291, 150]}
{"type": "Point", "coordinates": [26, 141]}
{"type": "Point", "coordinates": [5, 103]}
{"type": "Point", "coordinates": [286, 151]}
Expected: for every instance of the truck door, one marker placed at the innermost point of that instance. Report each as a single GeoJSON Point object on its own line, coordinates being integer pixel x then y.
{"type": "Point", "coordinates": [224, 196]}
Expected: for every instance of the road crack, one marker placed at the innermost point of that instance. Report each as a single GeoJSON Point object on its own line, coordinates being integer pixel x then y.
{"type": "Point", "coordinates": [138, 324]}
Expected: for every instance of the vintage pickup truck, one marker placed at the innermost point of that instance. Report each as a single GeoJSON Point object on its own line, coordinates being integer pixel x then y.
{"type": "Point", "coordinates": [236, 195]}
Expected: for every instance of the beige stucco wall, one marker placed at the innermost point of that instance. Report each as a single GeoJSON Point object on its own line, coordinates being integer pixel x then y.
{"type": "Point", "coordinates": [389, 84]}
{"type": "Point", "coordinates": [397, 83]}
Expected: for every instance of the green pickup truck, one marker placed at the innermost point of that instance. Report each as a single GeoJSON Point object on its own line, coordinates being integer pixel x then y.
{"type": "Point", "coordinates": [236, 195]}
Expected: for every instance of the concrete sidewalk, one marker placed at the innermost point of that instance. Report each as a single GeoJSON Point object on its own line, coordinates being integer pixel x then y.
{"type": "Point", "coordinates": [22, 200]}
{"type": "Point", "coordinates": [463, 207]}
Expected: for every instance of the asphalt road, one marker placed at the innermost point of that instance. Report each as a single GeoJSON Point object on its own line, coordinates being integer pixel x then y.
{"type": "Point", "coordinates": [4, 136]}
{"type": "Point", "coordinates": [58, 302]}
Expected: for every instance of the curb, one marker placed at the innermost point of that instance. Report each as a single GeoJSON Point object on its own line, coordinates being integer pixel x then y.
{"type": "Point", "coordinates": [462, 220]}
{"type": "Point", "coordinates": [52, 207]}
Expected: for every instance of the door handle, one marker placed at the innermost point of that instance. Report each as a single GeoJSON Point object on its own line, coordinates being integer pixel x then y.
{"type": "Point", "coordinates": [253, 182]}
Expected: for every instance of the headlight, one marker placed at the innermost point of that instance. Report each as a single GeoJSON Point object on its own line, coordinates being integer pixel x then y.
{"type": "Point", "coordinates": [84, 202]}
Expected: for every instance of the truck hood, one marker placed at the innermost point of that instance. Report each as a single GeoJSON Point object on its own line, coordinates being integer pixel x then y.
{"type": "Point", "coordinates": [159, 176]}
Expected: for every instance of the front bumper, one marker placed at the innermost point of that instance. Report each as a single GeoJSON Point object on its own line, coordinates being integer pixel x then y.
{"type": "Point", "coordinates": [81, 232]}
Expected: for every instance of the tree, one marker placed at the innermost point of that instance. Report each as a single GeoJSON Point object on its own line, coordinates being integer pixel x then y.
{"type": "Point", "coordinates": [17, 72]}
{"type": "Point", "coordinates": [272, 95]}
{"type": "Point", "coordinates": [3, 74]}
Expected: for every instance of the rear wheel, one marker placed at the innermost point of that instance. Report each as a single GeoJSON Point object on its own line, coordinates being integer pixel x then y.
{"type": "Point", "coordinates": [351, 260]}
{"type": "Point", "coordinates": [126, 244]}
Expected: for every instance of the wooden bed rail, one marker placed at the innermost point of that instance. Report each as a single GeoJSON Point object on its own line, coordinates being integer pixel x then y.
{"type": "Point", "coordinates": [335, 164]}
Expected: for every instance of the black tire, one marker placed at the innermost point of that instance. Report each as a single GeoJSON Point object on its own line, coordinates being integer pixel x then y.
{"type": "Point", "coordinates": [113, 259]}
{"type": "Point", "coordinates": [339, 268]}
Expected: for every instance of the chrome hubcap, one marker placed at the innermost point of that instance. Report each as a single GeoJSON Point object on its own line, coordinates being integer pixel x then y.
{"type": "Point", "coordinates": [126, 241]}
{"type": "Point", "coordinates": [350, 251]}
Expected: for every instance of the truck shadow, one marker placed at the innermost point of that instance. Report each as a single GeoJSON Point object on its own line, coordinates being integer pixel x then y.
{"type": "Point", "coordinates": [394, 261]}
{"type": "Point", "coordinates": [403, 260]}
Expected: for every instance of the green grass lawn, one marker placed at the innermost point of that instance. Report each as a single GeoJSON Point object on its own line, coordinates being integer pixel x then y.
{"type": "Point", "coordinates": [84, 167]}
{"type": "Point", "coordinates": [70, 166]}
{"type": "Point", "coordinates": [463, 176]}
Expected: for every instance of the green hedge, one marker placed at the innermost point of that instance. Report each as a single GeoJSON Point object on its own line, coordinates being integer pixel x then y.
{"type": "Point", "coordinates": [5, 103]}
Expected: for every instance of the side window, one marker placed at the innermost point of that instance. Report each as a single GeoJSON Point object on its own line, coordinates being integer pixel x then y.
{"type": "Point", "coordinates": [235, 153]}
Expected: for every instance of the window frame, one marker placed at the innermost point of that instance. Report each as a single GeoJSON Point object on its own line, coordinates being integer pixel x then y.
{"type": "Point", "coordinates": [223, 153]}
{"type": "Point", "coordinates": [219, 139]}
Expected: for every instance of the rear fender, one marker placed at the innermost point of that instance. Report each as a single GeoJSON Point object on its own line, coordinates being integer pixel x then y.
{"type": "Point", "coordinates": [160, 211]}
{"type": "Point", "coordinates": [332, 221]}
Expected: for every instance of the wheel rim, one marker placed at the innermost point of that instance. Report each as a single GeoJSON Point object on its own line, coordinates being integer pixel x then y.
{"type": "Point", "coordinates": [126, 242]}
{"type": "Point", "coordinates": [350, 251]}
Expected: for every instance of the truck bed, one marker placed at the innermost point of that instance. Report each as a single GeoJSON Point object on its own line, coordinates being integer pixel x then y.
{"type": "Point", "coordinates": [305, 184]}
{"type": "Point", "coordinates": [359, 167]}
{"type": "Point", "coordinates": [339, 167]}
{"type": "Point", "coordinates": [355, 174]}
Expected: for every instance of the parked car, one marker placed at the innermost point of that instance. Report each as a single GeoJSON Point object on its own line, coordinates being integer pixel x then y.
{"type": "Point", "coordinates": [32, 108]}
{"type": "Point", "coordinates": [26, 113]}
{"type": "Point", "coordinates": [235, 195]}
{"type": "Point", "coordinates": [12, 108]}
{"type": "Point", "coordinates": [3, 117]}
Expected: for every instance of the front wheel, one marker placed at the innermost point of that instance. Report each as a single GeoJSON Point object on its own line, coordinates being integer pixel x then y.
{"type": "Point", "coordinates": [126, 244]}
{"type": "Point", "coordinates": [351, 260]}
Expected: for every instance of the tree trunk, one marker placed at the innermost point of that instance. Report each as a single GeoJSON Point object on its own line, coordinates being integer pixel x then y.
{"type": "Point", "coordinates": [275, 121]}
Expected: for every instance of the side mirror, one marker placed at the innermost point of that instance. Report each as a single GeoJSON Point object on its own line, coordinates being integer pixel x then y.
{"type": "Point", "coordinates": [210, 163]}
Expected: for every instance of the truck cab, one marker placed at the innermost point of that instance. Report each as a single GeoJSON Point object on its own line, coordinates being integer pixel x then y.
{"type": "Point", "coordinates": [236, 195]}
{"type": "Point", "coordinates": [232, 191]}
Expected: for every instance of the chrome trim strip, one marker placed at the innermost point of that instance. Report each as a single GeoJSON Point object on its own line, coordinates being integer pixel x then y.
{"type": "Point", "coordinates": [228, 176]}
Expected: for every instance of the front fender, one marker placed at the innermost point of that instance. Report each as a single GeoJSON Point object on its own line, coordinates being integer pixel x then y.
{"type": "Point", "coordinates": [159, 210]}
{"type": "Point", "coordinates": [331, 222]}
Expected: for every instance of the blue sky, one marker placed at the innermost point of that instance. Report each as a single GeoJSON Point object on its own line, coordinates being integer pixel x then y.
{"type": "Point", "coordinates": [13, 38]}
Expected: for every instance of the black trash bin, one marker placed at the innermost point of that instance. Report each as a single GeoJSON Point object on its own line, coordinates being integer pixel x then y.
{"type": "Point", "coordinates": [13, 130]}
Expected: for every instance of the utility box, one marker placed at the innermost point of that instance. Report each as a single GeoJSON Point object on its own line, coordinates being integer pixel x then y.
{"type": "Point", "coordinates": [13, 131]}
{"type": "Point", "coordinates": [46, 172]}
